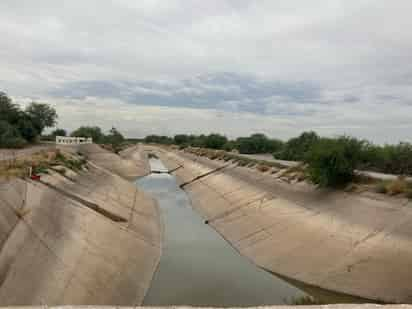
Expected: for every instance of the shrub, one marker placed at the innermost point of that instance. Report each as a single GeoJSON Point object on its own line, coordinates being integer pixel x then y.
{"type": "Point", "coordinates": [331, 162]}
{"type": "Point", "coordinates": [263, 168]}
{"type": "Point", "coordinates": [215, 141]}
{"type": "Point", "coordinates": [397, 186]}
{"type": "Point", "coordinates": [381, 188]}
{"type": "Point", "coordinates": [296, 148]}
{"type": "Point", "coordinates": [10, 136]}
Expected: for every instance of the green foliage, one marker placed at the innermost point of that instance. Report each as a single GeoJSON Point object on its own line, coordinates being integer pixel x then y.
{"type": "Point", "coordinates": [9, 112]}
{"type": "Point", "coordinates": [381, 187]}
{"type": "Point", "coordinates": [229, 146]}
{"type": "Point", "coordinates": [258, 143]}
{"type": "Point", "coordinates": [304, 301]}
{"type": "Point", "coordinates": [19, 127]}
{"type": "Point", "coordinates": [41, 115]}
{"type": "Point", "coordinates": [331, 162]}
{"type": "Point", "coordinates": [215, 141]}
{"type": "Point", "coordinates": [181, 139]}
{"type": "Point", "coordinates": [158, 139]}
{"type": "Point", "coordinates": [71, 163]}
{"type": "Point", "coordinates": [114, 138]}
{"type": "Point", "coordinates": [59, 132]}
{"type": "Point", "coordinates": [86, 131]}
{"type": "Point", "coordinates": [296, 148]}
{"type": "Point", "coordinates": [27, 129]}
{"type": "Point", "coordinates": [394, 159]}
{"type": "Point", "coordinates": [10, 136]}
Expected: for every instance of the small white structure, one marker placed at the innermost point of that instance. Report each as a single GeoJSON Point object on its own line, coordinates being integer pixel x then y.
{"type": "Point", "coordinates": [64, 140]}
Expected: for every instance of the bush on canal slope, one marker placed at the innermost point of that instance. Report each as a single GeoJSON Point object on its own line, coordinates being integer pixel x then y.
{"type": "Point", "coordinates": [332, 162]}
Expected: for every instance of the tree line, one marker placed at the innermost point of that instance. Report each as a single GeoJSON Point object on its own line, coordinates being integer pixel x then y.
{"type": "Point", "coordinates": [256, 143]}
{"type": "Point", "coordinates": [331, 160]}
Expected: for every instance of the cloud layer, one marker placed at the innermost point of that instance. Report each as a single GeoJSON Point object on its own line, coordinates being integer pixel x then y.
{"type": "Point", "coordinates": [272, 66]}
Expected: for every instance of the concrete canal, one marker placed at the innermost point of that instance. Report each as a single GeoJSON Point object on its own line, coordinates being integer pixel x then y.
{"type": "Point", "coordinates": [198, 267]}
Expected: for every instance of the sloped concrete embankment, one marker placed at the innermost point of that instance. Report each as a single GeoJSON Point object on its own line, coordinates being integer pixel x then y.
{"type": "Point", "coordinates": [344, 242]}
{"type": "Point", "coordinates": [77, 238]}
{"type": "Point", "coordinates": [131, 164]}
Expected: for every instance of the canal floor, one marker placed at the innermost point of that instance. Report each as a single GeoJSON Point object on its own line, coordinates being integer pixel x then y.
{"type": "Point", "coordinates": [198, 267]}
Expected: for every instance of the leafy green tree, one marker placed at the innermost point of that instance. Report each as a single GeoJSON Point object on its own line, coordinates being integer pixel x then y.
{"type": "Point", "coordinates": [59, 132]}
{"type": "Point", "coordinates": [9, 111]}
{"type": "Point", "coordinates": [27, 129]}
{"type": "Point", "coordinates": [215, 141]}
{"type": "Point", "coordinates": [181, 139]}
{"type": "Point", "coordinates": [42, 116]}
{"type": "Point", "coordinates": [114, 138]}
{"type": "Point", "coordinates": [86, 131]}
{"type": "Point", "coordinates": [10, 136]}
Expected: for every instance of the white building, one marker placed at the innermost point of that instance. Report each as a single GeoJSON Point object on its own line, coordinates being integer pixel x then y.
{"type": "Point", "coordinates": [64, 140]}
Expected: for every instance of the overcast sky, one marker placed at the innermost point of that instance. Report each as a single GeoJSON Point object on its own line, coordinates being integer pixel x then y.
{"type": "Point", "coordinates": [235, 66]}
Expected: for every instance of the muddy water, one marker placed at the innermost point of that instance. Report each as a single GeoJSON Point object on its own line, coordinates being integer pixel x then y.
{"type": "Point", "coordinates": [198, 267]}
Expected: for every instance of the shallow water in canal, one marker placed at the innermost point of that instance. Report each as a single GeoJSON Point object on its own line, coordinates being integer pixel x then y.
{"type": "Point", "coordinates": [198, 267]}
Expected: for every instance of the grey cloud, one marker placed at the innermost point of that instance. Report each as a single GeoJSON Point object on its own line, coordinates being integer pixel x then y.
{"type": "Point", "coordinates": [290, 58]}
{"type": "Point", "coordinates": [225, 91]}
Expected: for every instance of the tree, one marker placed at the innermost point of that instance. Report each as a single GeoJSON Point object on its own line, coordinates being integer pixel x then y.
{"type": "Point", "coordinates": [42, 116]}
{"type": "Point", "coordinates": [296, 148]}
{"type": "Point", "coordinates": [215, 141]}
{"type": "Point", "coordinates": [180, 139]}
{"type": "Point", "coordinates": [94, 132]}
{"type": "Point", "coordinates": [9, 111]}
{"type": "Point", "coordinates": [10, 136]}
{"type": "Point", "coordinates": [158, 139]}
{"type": "Point", "coordinates": [27, 129]}
{"type": "Point", "coordinates": [115, 138]}
{"type": "Point", "coordinates": [59, 132]}
{"type": "Point", "coordinates": [258, 143]}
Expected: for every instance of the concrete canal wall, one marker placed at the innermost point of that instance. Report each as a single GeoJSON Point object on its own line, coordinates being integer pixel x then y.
{"type": "Point", "coordinates": [82, 238]}
{"type": "Point", "coordinates": [351, 243]}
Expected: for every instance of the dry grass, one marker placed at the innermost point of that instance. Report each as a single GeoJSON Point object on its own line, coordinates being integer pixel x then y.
{"type": "Point", "coordinates": [395, 187]}
{"type": "Point", "coordinates": [39, 163]}
{"type": "Point", "coordinates": [263, 168]}
{"type": "Point", "coordinates": [21, 212]}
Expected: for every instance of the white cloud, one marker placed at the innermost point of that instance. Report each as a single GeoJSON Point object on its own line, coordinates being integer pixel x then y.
{"type": "Point", "coordinates": [356, 51]}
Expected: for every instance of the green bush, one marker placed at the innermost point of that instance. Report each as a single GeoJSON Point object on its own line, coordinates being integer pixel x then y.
{"type": "Point", "coordinates": [393, 159]}
{"type": "Point", "coordinates": [331, 162]}
{"type": "Point", "coordinates": [296, 148]}
{"type": "Point", "coordinates": [10, 136]}
{"type": "Point", "coordinates": [215, 141]}
{"type": "Point", "coordinates": [258, 143]}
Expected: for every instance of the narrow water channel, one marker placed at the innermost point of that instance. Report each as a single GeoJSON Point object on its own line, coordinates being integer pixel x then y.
{"type": "Point", "coordinates": [198, 267]}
